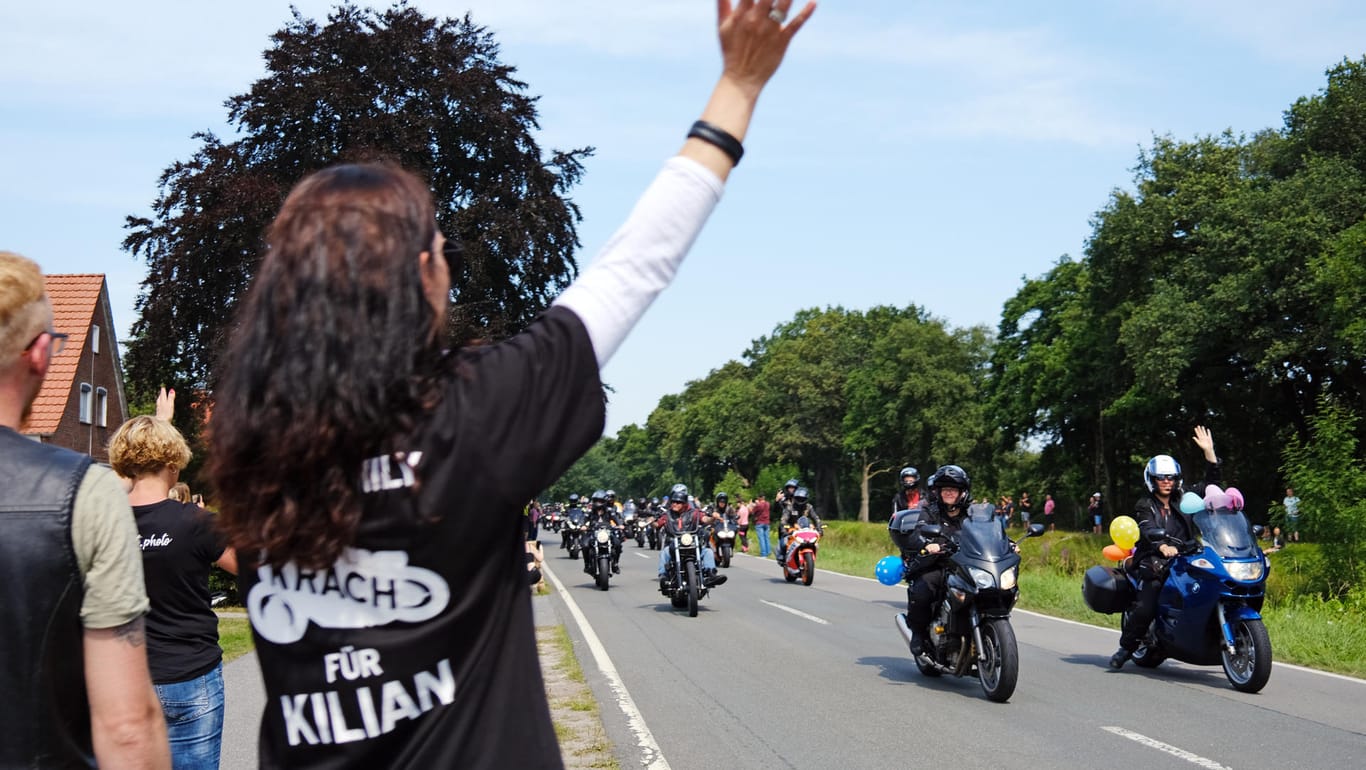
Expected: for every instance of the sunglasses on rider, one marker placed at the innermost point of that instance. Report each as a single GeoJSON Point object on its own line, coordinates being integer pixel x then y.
{"type": "Point", "coordinates": [1166, 477]}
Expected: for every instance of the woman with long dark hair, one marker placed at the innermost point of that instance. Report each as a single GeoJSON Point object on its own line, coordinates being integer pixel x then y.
{"type": "Point", "coordinates": [373, 482]}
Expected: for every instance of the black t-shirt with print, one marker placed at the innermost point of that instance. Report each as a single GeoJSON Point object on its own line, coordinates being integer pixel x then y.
{"type": "Point", "coordinates": [417, 648]}
{"type": "Point", "coordinates": [179, 547]}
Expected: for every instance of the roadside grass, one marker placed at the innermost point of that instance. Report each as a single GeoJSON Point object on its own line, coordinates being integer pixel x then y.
{"type": "Point", "coordinates": [1305, 629]}
{"type": "Point", "coordinates": [573, 709]}
{"type": "Point", "coordinates": [234, 636]}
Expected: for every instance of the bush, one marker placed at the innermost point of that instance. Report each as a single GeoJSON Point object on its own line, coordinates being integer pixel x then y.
{"type": "Point", "coordinates": [1330, 481]}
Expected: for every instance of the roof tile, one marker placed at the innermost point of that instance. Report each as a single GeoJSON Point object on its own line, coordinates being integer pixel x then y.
{"type": "Point", "coordinates": [74, 297]}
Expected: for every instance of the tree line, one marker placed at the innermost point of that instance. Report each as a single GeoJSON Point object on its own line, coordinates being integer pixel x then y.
{"type": "Point", "coordinates": [1225, 289]}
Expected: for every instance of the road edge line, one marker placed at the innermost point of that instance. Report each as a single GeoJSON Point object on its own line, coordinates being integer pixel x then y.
{"type": "Point", "coordinates": [651, 756]}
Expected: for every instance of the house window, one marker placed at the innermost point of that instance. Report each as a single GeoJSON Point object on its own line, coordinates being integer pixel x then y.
{"type": "Point", "coordinates": [95, 340]}
{"type": "Point", "coordinates": [102, 407]}
{"type": "Point", "coordinates": [86, 393]}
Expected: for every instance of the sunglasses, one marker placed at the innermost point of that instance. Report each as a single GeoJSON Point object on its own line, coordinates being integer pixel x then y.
{"type": "Point", "coordinates": [1166, 477]}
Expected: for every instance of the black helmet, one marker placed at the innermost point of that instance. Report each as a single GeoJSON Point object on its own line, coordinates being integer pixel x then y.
{"type": "Point", "coordinates": [912, 473]}
{"type": "Point", "coordinates": [641, 503]}
{"type": "Point", "coordinates": [951, 476]}
{"type": "Point", "coordinates": [654, 501]}
{"type": "Point", "coordinates": [574, 498]}
{"type": "Point", "coordinates": [611, 495]}
{"type": "Point", "coordinates": [792, 483]}
{"type": "Point", "coordinates": [722, 497]}
{"type": "Point", "coordinates": [599, 499]}
{"type": "Point", "coordinates": [799, 498]}
{"type": "Point", "coordinates": [678, 494]}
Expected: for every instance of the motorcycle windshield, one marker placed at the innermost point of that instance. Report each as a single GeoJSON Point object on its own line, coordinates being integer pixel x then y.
{"type": "Point", "coordinates": [1228, 533]}
{"type": "Point", "coordinates": [983, 540]}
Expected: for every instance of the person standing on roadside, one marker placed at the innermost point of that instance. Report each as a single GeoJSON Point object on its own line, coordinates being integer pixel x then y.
{"type": "Point", "coordinates": [742, 520]}
{"type": "Point", "coordinates": [1049, 506]}
{"type": "Point", "coordinates": [394, 577]}
{"type": "Point", "coordinates": [1097, 513]}
{"type": "Point", "coordinates": [760, 516]}
{"type": "Point", "coordinates": [73, 656]}
{"type": "Point", "coordinates": [1292, 514]}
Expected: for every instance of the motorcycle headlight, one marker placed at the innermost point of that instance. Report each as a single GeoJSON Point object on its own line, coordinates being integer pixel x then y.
{"type": "Point", "coordinates": [1008, 578]}
{"type": "Point", "coordinates": [602, 536]}
{"type": "Point", "coordinates": [685, 539]}
{"type": "Point", "coordinates": [982, 578]}
{"type": "Point", "coordinates": [1244, 570]}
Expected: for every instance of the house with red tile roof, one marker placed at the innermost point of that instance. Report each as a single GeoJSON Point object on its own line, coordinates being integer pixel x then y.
{"type": "Point", "coordinates": [82, 401]}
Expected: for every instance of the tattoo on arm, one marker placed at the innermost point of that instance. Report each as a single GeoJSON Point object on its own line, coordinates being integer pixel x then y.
{"type": "Point", "coordinates": [133, 632]}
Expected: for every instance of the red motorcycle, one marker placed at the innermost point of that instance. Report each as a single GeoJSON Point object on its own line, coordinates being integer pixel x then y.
{"type": "Point", "coordinates": [802, 541]}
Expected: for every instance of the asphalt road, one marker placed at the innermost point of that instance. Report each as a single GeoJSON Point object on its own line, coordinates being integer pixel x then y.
{"type": "Point", "coordinates": [772, 674]}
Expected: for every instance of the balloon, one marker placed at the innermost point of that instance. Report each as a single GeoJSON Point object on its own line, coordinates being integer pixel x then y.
{"type": "Point", "coordinates": [1235, 498]}
{"type": "Point", "coordinates": [1215, 498]}
{"type": "Point", "coordinates": [1124, 531]}
{"type": "Point", "coordinates": [1191, 503]}
{"type": "Point", "coordinates": [889, 570]}
{"type": "Point", "coordinates": [1115, 553]}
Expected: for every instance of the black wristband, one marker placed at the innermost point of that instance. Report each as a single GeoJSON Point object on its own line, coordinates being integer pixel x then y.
{"type": "Point", "coordinates": [719, 138]}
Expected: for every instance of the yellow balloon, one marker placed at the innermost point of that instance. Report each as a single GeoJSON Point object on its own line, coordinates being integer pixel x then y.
{"type": "Point", "coordinates": [1124, 531]}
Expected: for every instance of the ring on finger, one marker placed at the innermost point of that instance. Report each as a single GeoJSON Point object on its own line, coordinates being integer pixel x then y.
{"type": "Point", "coordinates": [777, 15]}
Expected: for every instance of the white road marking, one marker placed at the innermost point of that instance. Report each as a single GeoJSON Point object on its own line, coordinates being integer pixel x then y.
{"type": "Point", "coordinates": [1194, 759]}
{"type": "Point", "coordinates": [798, 613]}
{"type": "Point", "coordinates": [651, 757]}
{"type": "Point", "coordinates": [642, 555]}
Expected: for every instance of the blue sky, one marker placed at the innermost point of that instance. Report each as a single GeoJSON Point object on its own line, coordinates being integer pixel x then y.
{"type": "Point", "coordinates": [934, 153]}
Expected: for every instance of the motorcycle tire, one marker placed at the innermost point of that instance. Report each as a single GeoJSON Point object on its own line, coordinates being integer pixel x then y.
{"type": "Point", "coordinates": [692, 589]}
{"type": "Point", "coordinates": [808, 568]}
{"type": "Point", "coordinates": [640, 540]}
{"type": "Point", "coordinates": [725, 556]}
{"type": "Point", "coordinates": [998, 665]}
{"type": "Point", "coordinates": [604, 571]}
{"type": "Point", "coordinates": [573, 552]}
{"type": "Point", "coordinates": [787, 573]}
{"type": "Point", "coordinates": [1249, 666]}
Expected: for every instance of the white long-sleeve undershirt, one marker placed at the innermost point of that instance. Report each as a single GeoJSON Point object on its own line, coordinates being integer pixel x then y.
{"type": "Point", "coordinates": [643, 256]}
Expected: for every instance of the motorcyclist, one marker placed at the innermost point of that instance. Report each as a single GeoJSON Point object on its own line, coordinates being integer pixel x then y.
{"type": "Point", "coordinates": [573, 517]}
{"type": "Point", "coordinates": [602, 511]}
{"type": "Point", "coordinates": [721, 509]}
{"type": "Point", "coordinates": [783, 500]}
{"type": "Point", "coordinates": [1158, 510]}
{"type": "Point", "coordinates": [908, 499]}
{"type": "Point", "coordinates": [799, 507]}
{"type": "Point", "coordinates": [946, 504]}
{"type": "Point", "coordinates": [680, 508]}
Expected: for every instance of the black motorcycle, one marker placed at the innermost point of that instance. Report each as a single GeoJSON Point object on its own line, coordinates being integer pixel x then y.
{"type": "Point", "coordinates": [652, 534]}
{"type": "Point", "coordinates": [724, 530]}
{"type": "Point", "coordinates": [575, 524]}
{"type": "Point", "coordinates": [599, 546]}
{"type": "Point", "coordinates": [970, 632]}
{"type": "Point", "coordinates": [682, 581]}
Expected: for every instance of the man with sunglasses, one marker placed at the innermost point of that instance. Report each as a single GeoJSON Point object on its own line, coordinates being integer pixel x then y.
{"type": "Point", "coordinates": [74, 671]}
{"type": "Point", "coordinates": [1158, 509]}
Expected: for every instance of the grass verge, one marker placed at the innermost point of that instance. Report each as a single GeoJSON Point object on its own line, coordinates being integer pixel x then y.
{"type": "Point", "coordinates": [574, 711]}
{"type": "Point", "coordinates": [234, 636]}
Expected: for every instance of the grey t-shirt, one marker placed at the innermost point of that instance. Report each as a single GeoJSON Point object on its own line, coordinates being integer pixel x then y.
{"type": "Point", "coordinates": [105, 537]}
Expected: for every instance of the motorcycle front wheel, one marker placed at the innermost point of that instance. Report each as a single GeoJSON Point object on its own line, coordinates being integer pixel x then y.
{"type": "Point", "coordinates": [999, 665]}
{"type": "Point", "coordinates": [604, 571]}
{"type": "Point", "coordinates": [1248, 667]}
{"type": "Point", "coordinates": [725, 556]}
{"type": "Point", "coordinates": [808, 568]}
{"type": "Point", "coordinates": [692, 589]}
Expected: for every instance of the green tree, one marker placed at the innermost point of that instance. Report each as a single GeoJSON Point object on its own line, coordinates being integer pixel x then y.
{"type": "Point", "coordinates": [396, 86]}
{"type": "Point", "coordinates": [1330, 479]}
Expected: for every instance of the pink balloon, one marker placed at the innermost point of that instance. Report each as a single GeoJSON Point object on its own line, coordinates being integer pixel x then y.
{"type": "Point", "coordinates": [1215, 498]}
{"type": "Point", "coordinates": [1235, 498]}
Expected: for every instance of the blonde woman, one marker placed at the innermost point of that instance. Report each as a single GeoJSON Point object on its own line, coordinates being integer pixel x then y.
{"type": "Point", "coordinates": [179, 548]}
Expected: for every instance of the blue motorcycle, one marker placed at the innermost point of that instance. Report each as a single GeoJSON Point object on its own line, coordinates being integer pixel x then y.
{"type": "Point", "coordinates": [1209, 608]}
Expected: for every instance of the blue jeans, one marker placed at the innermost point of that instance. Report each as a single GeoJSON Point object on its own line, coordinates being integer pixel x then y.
{"type": "Point", "coordinates": [708, 560]}
{"type": "Point", "coordinates": [194, 720]}
{"type": "Point", "coordinates": [761, 532]}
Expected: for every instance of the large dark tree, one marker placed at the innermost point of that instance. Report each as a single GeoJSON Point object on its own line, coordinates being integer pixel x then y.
{"type": "Point", "coordinates": [394, 86]}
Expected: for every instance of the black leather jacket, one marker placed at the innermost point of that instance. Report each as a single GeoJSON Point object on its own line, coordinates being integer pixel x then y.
{"type": "Point", "coordinates": [1149, 514]}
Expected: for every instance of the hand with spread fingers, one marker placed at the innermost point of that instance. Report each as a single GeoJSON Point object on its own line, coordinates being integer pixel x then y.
{"type": "Point", "coordinates": [754, 39]}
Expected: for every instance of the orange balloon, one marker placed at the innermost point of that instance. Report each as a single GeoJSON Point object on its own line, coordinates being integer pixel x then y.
{"type": "Point", "coordinates": [1115, 553]}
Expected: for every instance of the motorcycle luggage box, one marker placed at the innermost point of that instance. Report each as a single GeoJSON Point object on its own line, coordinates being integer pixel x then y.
{"type": "Point", "coordinates": [1106, 590]}
{"type": "Point", "coordinates": [902, 525]}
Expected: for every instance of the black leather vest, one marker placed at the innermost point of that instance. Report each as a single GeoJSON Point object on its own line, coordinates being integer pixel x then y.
{"type": "Point", "coordinates": [43, 706]}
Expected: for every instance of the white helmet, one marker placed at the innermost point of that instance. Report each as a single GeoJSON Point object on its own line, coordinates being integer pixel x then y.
{"type": "Point", "coordinates": [1162, 466]}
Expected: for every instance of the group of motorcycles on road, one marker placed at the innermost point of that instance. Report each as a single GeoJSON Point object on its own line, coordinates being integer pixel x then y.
{"type": "Point", "coordinates": [691, 538]}
{"type": "Point", "coordinates": [1208, 610]}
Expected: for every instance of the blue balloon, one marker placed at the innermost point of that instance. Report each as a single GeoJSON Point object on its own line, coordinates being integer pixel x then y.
{"type": "Point", "coordinates": [1191, 503]}
{"type": "Point", "coordinates": [889, 570]}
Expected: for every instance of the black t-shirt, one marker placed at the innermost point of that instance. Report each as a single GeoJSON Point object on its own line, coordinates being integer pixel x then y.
{"type": "Point", "coordinates": [417, 648]}
{"type": "Point", "coordinates": [179, 547]}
